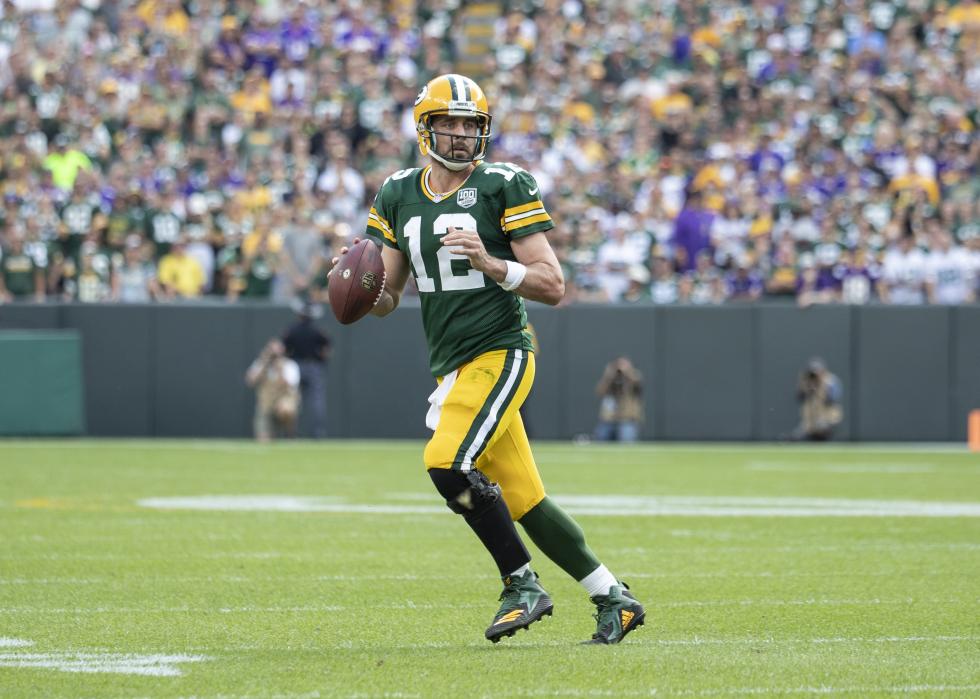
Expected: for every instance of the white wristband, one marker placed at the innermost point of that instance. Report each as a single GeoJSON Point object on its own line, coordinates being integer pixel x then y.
{"type": "Point", "coordinates": [515, 275]}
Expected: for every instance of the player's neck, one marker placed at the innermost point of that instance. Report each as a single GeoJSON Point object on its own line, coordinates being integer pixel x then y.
{"type": "Point", "coordinates": [442, 179]}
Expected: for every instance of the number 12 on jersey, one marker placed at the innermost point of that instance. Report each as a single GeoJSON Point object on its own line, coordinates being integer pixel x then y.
{"type": "Point", "coordinates": [448, 281]}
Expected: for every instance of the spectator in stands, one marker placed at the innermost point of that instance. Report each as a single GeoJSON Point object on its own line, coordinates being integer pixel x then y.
{"type": "Point", "coordinates": [903, 273]}
{"type": "Point", "coordinates": [860, 276]}
{"type": "Point", "coordinates": [692, 231]}
{"type": "Point", "coordinates": [134, 279]}
{"type": "Point", "coordinates": [744, 283]}
{"type": "Point", "coordinates": [820, 395]}
{"type": "Point", "coordinates": [951, 272]}
{"type": "Point", "coordinates": [179, 275]}
{"type": "Point", "coordinates": [638, 290]}
{"type": "Point", "coordinates": [20, 276]}
{"type": "Point", "coordinates": [276, 379]}
{"type": "Point", "coordinates": [65, 163]}
{"type": "Point", "coordinates": [620, 392]}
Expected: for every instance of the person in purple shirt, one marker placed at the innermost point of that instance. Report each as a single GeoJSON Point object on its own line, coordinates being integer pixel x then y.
{"type": "Point", "coordinates": [692, 232]}
{"type": "Point", "coordinates": [226, 52]}
{"type": "Point", "coordinates": [262, 45]}
{"type": "Point", "coordinates": [765, 158]}
{"type": "Point", "coordinates": [358, 35]}
{"type": "Point", "coordinates": [299, 35]}
{"type": "Point", "coordinates": [818, 283]}
{"type": "Point", "coordinates": [745, 283]}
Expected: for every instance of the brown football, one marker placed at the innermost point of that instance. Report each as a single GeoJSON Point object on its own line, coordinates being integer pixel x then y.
{"type": "Point", "coordinates": [357, 281]}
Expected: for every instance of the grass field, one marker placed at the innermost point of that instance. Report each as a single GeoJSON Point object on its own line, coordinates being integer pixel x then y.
{"type": "Point", "coordinates": [228, 569]}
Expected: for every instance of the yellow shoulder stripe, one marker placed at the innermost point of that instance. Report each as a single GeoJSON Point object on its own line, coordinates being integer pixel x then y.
{"type": "Point", "coordinates": [373, 214]}
{"type": "Point", "coordinates": [524, 222]}
{"type": "Point", "coordinates": [522, 208]}
{"type": "Point", "coordinates": [384, 231]}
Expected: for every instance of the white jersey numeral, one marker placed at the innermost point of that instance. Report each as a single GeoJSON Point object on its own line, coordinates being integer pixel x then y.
{"type": "Point", "coordinates": [448, 281]}
{"type": "Point", "coordinates": [508, 170]}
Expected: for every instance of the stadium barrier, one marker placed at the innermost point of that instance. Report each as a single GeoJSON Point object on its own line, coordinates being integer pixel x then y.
{"type": "Point", "coordinates": [41, 382]}
{"type": "Point", "coordinates": [711, 373]}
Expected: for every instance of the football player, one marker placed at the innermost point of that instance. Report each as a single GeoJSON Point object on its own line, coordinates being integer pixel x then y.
{"type": "Point", "coordinates": [472, 234]}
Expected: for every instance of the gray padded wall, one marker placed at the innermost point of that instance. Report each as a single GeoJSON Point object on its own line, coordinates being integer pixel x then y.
{"type": "Point", "coordinates": [117, 347]}
{"type": "Point", "coordinates": [15, 316]}
{"type": "Point", "coordinates": [707, 387]}
{"type": "Point", "coordinates": [198, 365]}
{"type": "Point", "coordinates": [903, 374]}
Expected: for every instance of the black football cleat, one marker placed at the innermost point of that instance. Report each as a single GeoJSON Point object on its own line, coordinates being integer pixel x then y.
{"type": "Point", "coordinates": [524, 602]}
{"type": "Point", "coordinates": [617, 614]}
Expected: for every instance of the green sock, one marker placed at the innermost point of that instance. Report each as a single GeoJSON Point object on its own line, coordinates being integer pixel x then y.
{"type": "Point", "coordinates": [560, 538]}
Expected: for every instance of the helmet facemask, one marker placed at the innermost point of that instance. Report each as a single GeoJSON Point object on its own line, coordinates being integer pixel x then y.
{"type": "Point", "coordinates": [428, 136]}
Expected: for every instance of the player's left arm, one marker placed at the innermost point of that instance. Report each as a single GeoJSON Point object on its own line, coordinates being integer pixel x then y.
{"type": "Point", "coordinates": [543, 280]}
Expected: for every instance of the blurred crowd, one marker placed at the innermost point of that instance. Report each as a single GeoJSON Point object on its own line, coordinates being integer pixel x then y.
{"type": "Point", "coordinates": [689, 151]}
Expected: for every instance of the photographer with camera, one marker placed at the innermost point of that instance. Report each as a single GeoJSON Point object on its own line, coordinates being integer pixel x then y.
{"type": "Point", "coordinates": [620, 392]}
{"type": "Point", "coordinates": [275, 378]}
{"type": "Point", "coordinates": [820, 395]}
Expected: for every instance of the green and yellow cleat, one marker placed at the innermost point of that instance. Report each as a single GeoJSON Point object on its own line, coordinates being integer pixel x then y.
{"type": "Point", "coordinates": [617, 614]}
{"type": "Point", "coordinates": [524, 602]}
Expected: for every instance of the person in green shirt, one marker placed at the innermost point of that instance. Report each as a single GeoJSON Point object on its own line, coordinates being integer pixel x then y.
{"type": "Point", "coordinates": [20, 277]}
{"type": "Point", "coordinates": [472, 234]}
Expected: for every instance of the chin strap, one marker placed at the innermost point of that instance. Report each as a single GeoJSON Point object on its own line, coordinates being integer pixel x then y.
{"type": "Point", "coordinates": [451, 165]}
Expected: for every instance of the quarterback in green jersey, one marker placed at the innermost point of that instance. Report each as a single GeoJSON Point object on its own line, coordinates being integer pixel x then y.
{"type": "Point", "coordinates": [472, 234]}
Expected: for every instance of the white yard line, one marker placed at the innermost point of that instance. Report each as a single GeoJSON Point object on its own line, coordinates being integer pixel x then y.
{"type": "Point", "coordinates": [88, 662]}
{"type": "Point", "coordinates": [14, 643]}
{"type": "Point", "coordinates": [605, 505]}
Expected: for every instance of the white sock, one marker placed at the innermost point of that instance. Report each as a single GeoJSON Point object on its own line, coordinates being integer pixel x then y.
{"type": "Point", "coordinates": [520, 571]}
{"type": "Point", "coordinates": [599, 581]}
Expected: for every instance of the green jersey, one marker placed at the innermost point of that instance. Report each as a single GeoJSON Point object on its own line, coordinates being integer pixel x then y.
{"type": "Point", "coordinates": [464, 312]}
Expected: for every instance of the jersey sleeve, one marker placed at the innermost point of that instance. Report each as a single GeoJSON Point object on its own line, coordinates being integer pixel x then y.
{"type": "Point", "coordinates": [378, 221]}
{"type": "Point", "coordinates": [524, 212]}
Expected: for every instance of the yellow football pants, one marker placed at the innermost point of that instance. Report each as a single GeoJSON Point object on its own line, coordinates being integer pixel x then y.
{"type": "Point", "coordinates": [479, 426]}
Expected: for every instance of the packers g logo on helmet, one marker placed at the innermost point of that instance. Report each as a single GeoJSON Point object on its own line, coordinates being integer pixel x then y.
{"type": "Point", "coordinates": [454, 95]}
